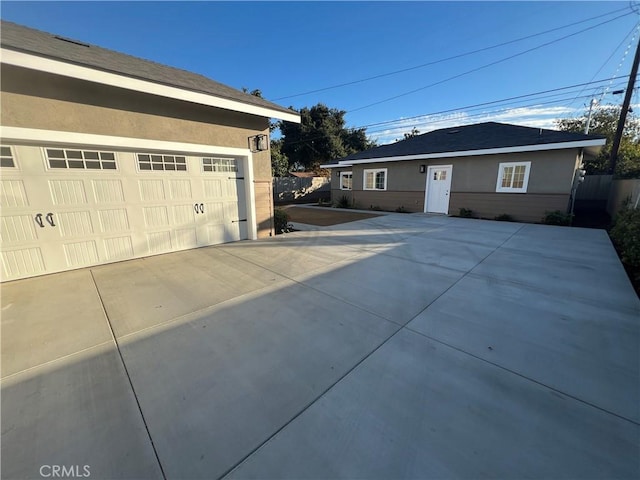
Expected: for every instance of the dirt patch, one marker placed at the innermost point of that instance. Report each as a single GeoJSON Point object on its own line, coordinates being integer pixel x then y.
{"type": "Point", "coordinates": [323, 218]}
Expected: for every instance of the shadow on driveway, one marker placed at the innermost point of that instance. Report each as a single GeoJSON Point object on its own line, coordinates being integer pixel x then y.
{"type": "Point", "coordinates": [401, 346]}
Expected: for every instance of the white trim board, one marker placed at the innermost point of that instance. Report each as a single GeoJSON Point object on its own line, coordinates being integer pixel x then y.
{"type": "Point", "coordinates": [34, 62]}
{"type": "Point", "coordinates": [53, 137]}
{"type": "Point", "coordinates": [469, 153]}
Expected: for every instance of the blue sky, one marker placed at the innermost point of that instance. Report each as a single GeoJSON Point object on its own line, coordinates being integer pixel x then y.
{"type": "Point", "coordinates": [288, 48]}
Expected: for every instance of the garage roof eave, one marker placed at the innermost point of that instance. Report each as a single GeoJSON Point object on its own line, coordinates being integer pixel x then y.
{"type": "Point", "coordinates": [114, 79]}
{"type": "Point", "coordinates": [592, 146]}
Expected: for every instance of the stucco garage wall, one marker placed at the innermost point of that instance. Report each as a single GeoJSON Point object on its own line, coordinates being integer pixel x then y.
{"type": "Point", "coordinates": [473, 184]}
{"type": "Point", "coordinates": [40, 100]}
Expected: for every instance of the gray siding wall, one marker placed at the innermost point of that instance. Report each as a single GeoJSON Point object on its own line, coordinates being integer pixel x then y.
{"type": "Point", "coordinates": [473, 184]}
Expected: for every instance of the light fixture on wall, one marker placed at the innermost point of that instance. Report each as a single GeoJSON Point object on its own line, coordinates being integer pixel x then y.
{"type": "Point", "coordinates": [259, 143]}
{"type": "Point", "coordinates": [423, 168]}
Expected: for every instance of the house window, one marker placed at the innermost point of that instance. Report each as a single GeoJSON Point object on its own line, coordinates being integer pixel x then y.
{"type": "Point", "coordinates": [346, 180]}
{"type": "Point", "coordinates": [6, 157]}
{"type": "Point", "coordinates": [219, 165]}
{"type": "Point", "coordinates": [375, 179]}
{"type": "Point", "coordinates": [147, 161]}
{"type": "Point", "coordinates": [81, 159]}
{"type": "Point", "coordinates": [513, 177]}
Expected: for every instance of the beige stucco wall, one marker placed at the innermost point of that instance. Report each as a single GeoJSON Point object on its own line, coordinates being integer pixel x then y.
{"type": "Point", "coordinates": [31, 99]}
{"type": "Point", "coordinates": [473, 184]}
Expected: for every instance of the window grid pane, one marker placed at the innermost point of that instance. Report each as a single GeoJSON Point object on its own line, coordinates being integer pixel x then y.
{"type": "Point", "coordinates": [507, 176]}
{"type": "Point", "coordinates": [158, 163]}
{"type": "Point", "coordinates": [6, 157]}
{"type": "Point", "coordinates": [219, 164]}
{"type": "Point", "coordinates": [380, 181]}
{"type": "Point", "coordinates": [518, 176]}
{"type": "Point", "coordinates": [80, 159]}
{"type": "Point", "coordinates": [369, 177]}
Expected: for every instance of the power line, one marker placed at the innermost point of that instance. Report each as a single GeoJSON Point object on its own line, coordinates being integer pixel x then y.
{"type": "Point", "coordinates": [474, 107]}
{"type": "Point", "coordinates": [382, 75]}
{"type": "Point", "coordinates": [488, 64]}
{"type": "Point", "coordinates": [497, 101]}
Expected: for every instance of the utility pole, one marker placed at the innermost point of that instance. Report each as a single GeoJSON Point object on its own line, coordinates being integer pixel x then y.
{"type": "Point", "coordinates": [591, 105]}
{"type": "Point", "coordinates": [623, 113]}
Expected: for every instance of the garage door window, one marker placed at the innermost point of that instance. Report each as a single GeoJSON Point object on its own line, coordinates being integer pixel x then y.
{"type": "Point", "coordinates": [81, 159]}
{"type": "Point", "coordinates": [219, 164]}
{"type": "Point", "coordinates": [147, 161]}
{"type": "Point", "coordinates": [6, 157]}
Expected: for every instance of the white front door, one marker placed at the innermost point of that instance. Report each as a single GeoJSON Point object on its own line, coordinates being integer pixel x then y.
{"type": "Point", "coordinates": [438, 188]}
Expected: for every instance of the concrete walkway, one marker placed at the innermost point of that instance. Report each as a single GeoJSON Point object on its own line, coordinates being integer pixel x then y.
{"type": "Point", "coordinates": [401, 346]}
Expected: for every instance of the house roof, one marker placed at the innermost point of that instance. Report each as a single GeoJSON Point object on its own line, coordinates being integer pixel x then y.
{"type": "Point", "coordinates": [20, 39]}
{"type": "Point", "coordinates": [479, 139]}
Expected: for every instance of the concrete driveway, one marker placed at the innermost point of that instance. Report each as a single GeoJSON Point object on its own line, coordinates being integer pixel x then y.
{"type": "Point", "coordinates": [401, 346]}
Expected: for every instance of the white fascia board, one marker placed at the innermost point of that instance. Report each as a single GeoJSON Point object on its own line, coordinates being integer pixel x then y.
{"type": "Point", "coordinates": [335, 165]}
{"type": "Point", "coordinates": [34, 62]}
{"type": "Point", "coordinates": [54, 138]}
{"type": "Point", "coordinates": [488, 151]}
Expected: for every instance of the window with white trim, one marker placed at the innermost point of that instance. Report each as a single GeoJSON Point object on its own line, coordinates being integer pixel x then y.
{"type": "Point", "coordinates": [346, 180]}
{"type": "Point", "coordinates": [6, 157]}
{"type": "Point", "coordinates": [149, 161]}
{"type": "Point", "coordinates": [213, 164]}
{"type": "Point", "coordinates": [513, 177]}
{"type": "Point", "coordinates": [375, 179]}
{"type": "Point", "coordinates": [81, 159]}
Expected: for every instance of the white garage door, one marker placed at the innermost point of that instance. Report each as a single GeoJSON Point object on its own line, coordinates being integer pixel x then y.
{"type": "Point", "coordinates": [66, 208]}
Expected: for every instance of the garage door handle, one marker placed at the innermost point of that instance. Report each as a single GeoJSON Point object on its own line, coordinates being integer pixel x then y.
{"type": "Point", "coordinates": [50, 219]}
{"type": "Point", "coordinates": [195, 207]}
{"type": "Point", "coordinates": [202, 208]}
{"type": "Point", "coordinates": [39, 220]}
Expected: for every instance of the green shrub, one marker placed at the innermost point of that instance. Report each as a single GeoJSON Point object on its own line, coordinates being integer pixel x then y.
{"type": "Point", "coordinates": [557, 217]}
{"type": "Point", "coordinates": [401, 209]}
{"type": "Point", "coordinates": [466, 213]}
{"type": "Point", "coordinates": [344, 202]}
{"type": "Point", "coordinates": [504, 217]}
{"type": "Point", "coordinates": [281, 221]}
{"type": "Point", "coordinates": [375, 208]}
{"type": "Point", "coordinates": [625, 235]}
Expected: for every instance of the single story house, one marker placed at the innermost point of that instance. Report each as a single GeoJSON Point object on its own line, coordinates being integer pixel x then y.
{"type": "Point", "coordinates": [107, 157]}
{"type": "Point", "coordinates": [490, 168]}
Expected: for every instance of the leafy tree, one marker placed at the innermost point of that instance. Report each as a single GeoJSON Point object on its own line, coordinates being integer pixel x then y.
{"type": "Point", "coordinates": [604, 121]}
{"type": "Point", "coordinates": [320, 137]}
{"type": "Point", "coordinates": [279, 161]}
{"type": "Point", "coordinates": [413, 133]}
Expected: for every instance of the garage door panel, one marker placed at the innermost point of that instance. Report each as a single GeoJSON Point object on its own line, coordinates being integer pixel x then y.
{"type": "Point", "coordinates": [23, 262]}
{"type": "Point", "coordinates": [159, 242]}
{"type": "Point", "coordinates": [118, 248]}
{"type": "Point", "coordinates": [108, 191]}
{"type": "Point", "coordinates": [186, 238]}
{"type": "Point", "coordinates": [184, 214]}
{"type": "Point", "coordinates": [114, 220]}
{"type": "Point", "coordinates": [56, 219]}
{"type": "Point", "coordinates": [74, 224]}
{"type": "Point", "coordinates": [17, 229]}
{"type": "Point", "coordinates": [67, 192]}
{"type": "Point", "coordinates": [180, 189]}
{"type": "Point", "coordinates": [13, 194]}
{"type": "Point", "coordinates": [213, 188]}
{"type": "Point", "coordinates": [156, 216]}
{"type": "Point", "coordinates": [151, 190]}
{"type": "Point", "coordinates": [81, 254]}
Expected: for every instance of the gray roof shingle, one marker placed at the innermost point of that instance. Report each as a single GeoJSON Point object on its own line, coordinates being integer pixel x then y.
{"type": "Point", "coordinates": [481, 136]}
{"type": "Point", "coordinates": [28, 40]}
